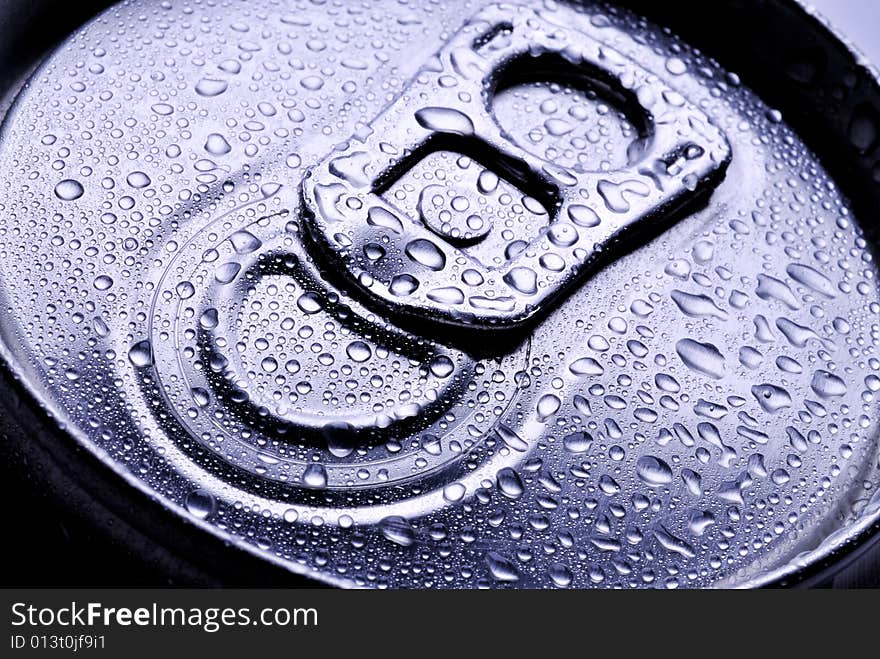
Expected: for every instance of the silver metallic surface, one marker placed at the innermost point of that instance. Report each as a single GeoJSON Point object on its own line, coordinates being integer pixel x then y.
{"type": "Point", "coordinates": [701, 411]}
{"type": "Point", "coordinates": [449, 106]}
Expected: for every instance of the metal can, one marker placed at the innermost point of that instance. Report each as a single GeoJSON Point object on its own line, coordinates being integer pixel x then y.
{"type": "Point", "coordinates": [461, 294]}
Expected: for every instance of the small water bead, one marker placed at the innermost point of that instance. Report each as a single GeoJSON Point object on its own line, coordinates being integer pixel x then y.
{"type": "Point", "coordinates": [693, 482]}
{"type": "Point", "coordinates": [676, 66]}
{"type": "Point", "coordinates": [227, 272]}
{"type": "Point", "coordinates": [577, 442]}
{"type": "Point", "coordinates": [699, 521]}
{"type": "Point", "coordinates": [309, 303]}
{"type": "Point", "coordinates": [101, 328]}
{"type": "Point", "coordinates": [445, 120]}
{"type": "Point", "coordinates": [586, 366]}
{"type": "Point", "coordinates": [441, 366]}
{"type": "Point", "coordinates": [509, 483]}
{"type": "Point", "coordinates": [522, 279]}
{"type": "Point", "coordinates": [141, 354]}
{"type": "Point", "coordinates": [750, 357]}
{"type": "Point", "coordinates": [69, 190]}
{"type": "Point", "coordinates": [138, 180]}
{"type": "Point", "coordinates": [398, 530]}
{"type": "Point", "coordinates": [210, 87]}
{"type": "Point", "coordinates": [403, 285]}
{"type": "Point", "coordinates": [232, 66]}
{"type": "Point", "coordinates": [771, 397]}
{"type": "Point", "coordinates": [201, 396]}
{"type": "Point", "coordinates": [679, 268]}
{"type": "Point", "coordinates": [827, 385]}
{"type": "Point", "coordinates": [217, 145]}
{"type": "Point", "coordinates": [608, 485]}
{"type": "Point", "coordinates": [666, 382]}
{"type": "Point", "coordinates": [583, 216]}
{"type": "Point", "coordinates": [697, 305]}
{"type": "Point", "coordinates": [780, 476]}
{"type": "Point", "coordinates": [244, 242]}
{"type": "Point", "coordinates": [703, 251]}
{"type": "Point", "coordinates": [811, 278]}
{"type": "Point", "coordinates": [653, 471]}
{"type": "Point", "coordinates": [454, 492]}
{"type": "Point", "coordinates": [547, 406]}
{"type": "Point", "coordinates": [209, 319]}
{"type": "Point", "coordinates": [103, 282]}
{"type": "Point", "coordinates": [359, 351]}
{"type": "Point", "coordinates": [641, 308]}
{"type": "Point", "coordinates": [770, 288]}
{"type": "Point", "coordinates": [703, 358]}
{"type": "Point", "coordinates": [561, 575]}
{"type": "Point", "coordinates": [487, 182]}
{"type": "Point", "coordinates": [598, 343]}
{"type": "Point", "coordinates": [315, 476]}
{"type": "Point", "coordinates": [312, 83]}
{"type": "Point", "coordinates": [502, 569]}
{"type": "Point", "coordinates": [200, 503]}
{"type": "Point", "coordinates": [426, 253]}
{"type": "Point", "coordinates": [562, 235]}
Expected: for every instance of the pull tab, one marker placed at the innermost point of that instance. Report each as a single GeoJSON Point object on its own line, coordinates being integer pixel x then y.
{"type": "Point", "coordinates": [419, 266]}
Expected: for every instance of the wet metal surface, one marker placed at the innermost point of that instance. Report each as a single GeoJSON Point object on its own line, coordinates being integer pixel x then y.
{"type": "Point", "coordinates": [255, 255]}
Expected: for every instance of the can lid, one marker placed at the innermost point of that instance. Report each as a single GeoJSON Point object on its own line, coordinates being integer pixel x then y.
{"type": "Point", "coordinates": [461, 295]}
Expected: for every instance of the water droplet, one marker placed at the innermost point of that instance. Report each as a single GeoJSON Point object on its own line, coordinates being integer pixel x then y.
{"type": "Point", "coordinates": [679, 268]}
{"type": "Point", "coordinates": [583, 216]}
{"type": "Point", "coordinates": [510, 484]}
{"type": "Point", "coordinates": [209, 87]}
{"type": "Point", "coordinates": [522, 279]}
{"type": "Point", "coordinates": [653, 471]}
{"type": "Point", "coordinates": [703, 358]}
{"type": "Point", "coordinates": [797, 335]}
{"type": "Point", "coordinates": [209, 319]}
{"type": "Point", "coordinates": [771, 398]}
{"type": "Point", "coordinates": [358, 351]}
{"type": "Point", "coordinates": [103, 282]}
{"type": "Point", "coordinates": [454, 492]}
{"type": "Point", "coordinates": [426, 253]}
{"type": "Point", "coordinates": [138, 180]}
{"type": "Point", "coordinates": [315, 476]}
{"type": "Point", "coordinates": [586, 366]}
{"type": "Point", "coordinates": [811, 278]}
{"type": "Point", "coordinates": [309, 303]}
{"type": "Point", "coordinates": [217, 145]}
{"type": "Point", "coordinates": [697, 306]}
{"type": "Point", "coordinates": [403, 285]}
{"type": "Point", "coordinates": [68, 190]}
{"type": "Point", "coordinates": [227, 272]}
{"type": "Point", "coordinates": [445, 120]}
{"type": "Point", "coordinates": [502, 569]}
{"type": "Point", "coordinates": [441, 366]}
{"type": "Point", "coordinates": [673, 543]}
{"type": "Point", "coordinates": [141, 354]}
{"type": "Point", "coordinates": [244, 242]}
{"type": "Point", "coordinates": [548, 405]}
{"type": "Point", "coordinates": [398, 530]}
{"type": "Point", "coordinates": [561, 575]}
{"type": "Point", "coordinates": [577, 442]}
{"type": "Point", "coordinates": [200, 503]}
{"type": "Point", "coordinates": [827, 385]}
